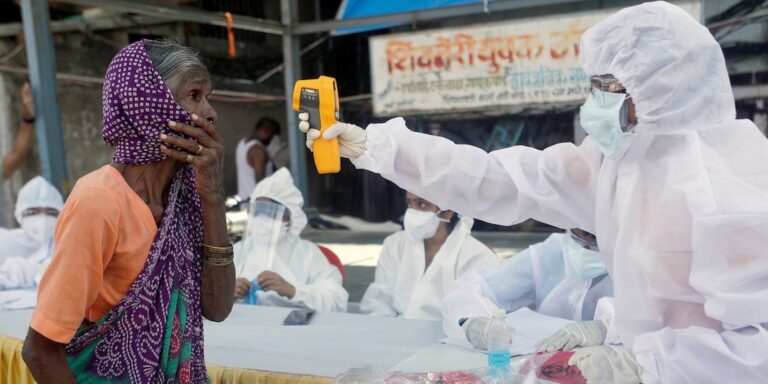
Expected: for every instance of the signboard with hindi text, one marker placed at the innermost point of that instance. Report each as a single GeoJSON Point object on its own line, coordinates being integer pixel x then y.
{"type": "Point", "coordinates": [513, 64]}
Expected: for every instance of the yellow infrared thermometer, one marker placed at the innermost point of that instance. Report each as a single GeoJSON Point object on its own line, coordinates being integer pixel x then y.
{"type": "Point", "coordinates": [320, 99]}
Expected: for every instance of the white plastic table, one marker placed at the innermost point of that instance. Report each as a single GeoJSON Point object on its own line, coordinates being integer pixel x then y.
{"type": "Point", "coordinates": [253, 337]}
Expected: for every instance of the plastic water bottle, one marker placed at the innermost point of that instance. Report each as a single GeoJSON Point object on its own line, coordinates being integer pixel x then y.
{"type": "Point", "coordinates": [498, 343]}
{"type": "Point", "coordinates": [252, 298]}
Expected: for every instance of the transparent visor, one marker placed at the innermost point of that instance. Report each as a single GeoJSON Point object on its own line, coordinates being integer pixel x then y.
{"type": "Point", "coordinates": [267, 221]}
{"type": "Point", "coordinates": [270, 209]}
{"type": "Point", "coordinates": [604, 89]}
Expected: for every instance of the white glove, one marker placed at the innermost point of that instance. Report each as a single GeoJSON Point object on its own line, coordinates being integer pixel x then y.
{"type": "Point", "coordinates": [476, 331]}
{"type": "Point", "coordinates": [351, 137]}
{"type": "Point", "coordinates": [581, 334]}
{"type": "Point", "coordinates": [607, 364]}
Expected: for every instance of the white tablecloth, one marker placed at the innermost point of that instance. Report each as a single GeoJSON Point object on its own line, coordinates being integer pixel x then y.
{"type": "Point", "coordinates": [253, 337]}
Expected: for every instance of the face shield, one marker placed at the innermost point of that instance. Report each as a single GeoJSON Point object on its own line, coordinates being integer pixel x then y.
{"type": "Point", "coordinates": [39, 223]}
{"type": "Point", "coordinates": [267, 223]}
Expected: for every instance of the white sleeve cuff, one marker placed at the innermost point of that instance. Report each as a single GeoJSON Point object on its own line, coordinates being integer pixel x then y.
{"type": "Point", "coordinates": [605, 311]}
{"type": "Point", "coordinates": [643, 349]}
{"type": "Point", "coordinates": [301, 297]}
{"type": "Point", "coordinates": [377, 144]}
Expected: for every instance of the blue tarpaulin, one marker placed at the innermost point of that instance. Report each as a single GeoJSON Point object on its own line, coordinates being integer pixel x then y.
{"type": "Point", "coordinates": [351, 9]}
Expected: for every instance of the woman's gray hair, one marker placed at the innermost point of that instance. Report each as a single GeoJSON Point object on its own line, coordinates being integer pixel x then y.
{"type": "Point", "coordinates": [176, 63]}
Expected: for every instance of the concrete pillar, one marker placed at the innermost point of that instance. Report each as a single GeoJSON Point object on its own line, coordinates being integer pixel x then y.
{"type": "Point", "coordinates": [291, 72]}
{"type": "Point", "coordinates": [42, 75]}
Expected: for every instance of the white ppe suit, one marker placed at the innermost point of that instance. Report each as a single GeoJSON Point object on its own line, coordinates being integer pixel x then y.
{"type": "Point", "coordinates": [25, 251]}
{"type": "Point", "coordinates": [681, 218]}
{"type": "Point", "coordinates": [299, 262]}
{"type": "Point", "coordinates": [403, 287]}
{"type": "Point", "coordinates": [540, 275]}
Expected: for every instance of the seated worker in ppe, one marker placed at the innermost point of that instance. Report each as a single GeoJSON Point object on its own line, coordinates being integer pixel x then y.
{"type": "Point", "coordinates": [287, 270]}
{"type": "Point", "coordinates": [417, 266]}
{"type": "Point", "coordinates": [564, 276]}
{"type": "Point", "coordinates": [27, 250]}
{"type": "Point", "coordinates": [672, 184]}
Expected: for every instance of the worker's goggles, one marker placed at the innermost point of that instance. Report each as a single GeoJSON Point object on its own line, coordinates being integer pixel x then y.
{"type": "Point", "coordinates": [585, 243]}
{"type": "Point", "coordinates": [605, 83]}
{"type": "Point", "coordinates": [53, 212]}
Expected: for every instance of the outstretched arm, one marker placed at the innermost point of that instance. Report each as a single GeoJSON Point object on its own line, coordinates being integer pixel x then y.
{"type": "Point", "coordinates": [555, 185]}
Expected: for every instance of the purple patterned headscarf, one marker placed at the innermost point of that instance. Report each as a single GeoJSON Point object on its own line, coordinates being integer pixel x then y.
{"type": "Point", "coordinates": [155, 333]}
{"type": "Point", "coordinates": [137, 107]}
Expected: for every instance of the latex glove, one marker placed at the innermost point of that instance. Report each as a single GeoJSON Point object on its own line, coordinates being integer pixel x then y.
{"type": "Point", "coordinates": [581, 334]}
{"type": "Point", "coordinates": [476, 331]}
{"type": "Point", "coordinates": [607, 364]}
{"type": "Point", "coordinates": [351, 137]}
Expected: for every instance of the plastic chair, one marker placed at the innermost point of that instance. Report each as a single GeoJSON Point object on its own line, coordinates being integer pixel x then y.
{"type": "Point", "coordinates": [333, 259]}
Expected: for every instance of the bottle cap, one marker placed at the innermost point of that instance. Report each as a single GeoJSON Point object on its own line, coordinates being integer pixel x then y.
{"type": "Point", "coordinates": [499, 313]}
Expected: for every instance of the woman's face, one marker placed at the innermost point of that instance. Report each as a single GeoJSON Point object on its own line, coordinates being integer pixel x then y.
{"type": "Point", "coordinates": [192, 95]}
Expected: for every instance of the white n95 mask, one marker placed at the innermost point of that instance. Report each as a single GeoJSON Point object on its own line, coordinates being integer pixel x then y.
{"type": "Point", "coordinates": [587, 263]}
{"type": "Point", "coordinates": [420, 225]}
{"type": "Point", "coordinates": [39, 227]}
{"type": "Point", "coordinates": [604, 117]}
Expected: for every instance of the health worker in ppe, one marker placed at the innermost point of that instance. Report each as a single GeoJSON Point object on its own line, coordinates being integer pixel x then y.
{"type": "Point", "coordinates": [275, 266]}
{"type": "Point", "coordinates": [672, 184]}
{"type": "Point", "coordinates": [27, 250]}
{"type": "Point", "coordinates": [563, 276]}
{"type": "Point", "coordinates": [418, 265]}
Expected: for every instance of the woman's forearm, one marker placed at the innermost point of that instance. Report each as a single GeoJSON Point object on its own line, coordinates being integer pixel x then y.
{"type": "Point", "coordinates": [46, 360]}
{"type": "Point", "coordinates": [218, 286]}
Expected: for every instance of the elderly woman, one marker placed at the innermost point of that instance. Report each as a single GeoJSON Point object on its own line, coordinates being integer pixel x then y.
{"type": "Point", "coordinates": [141, 249]}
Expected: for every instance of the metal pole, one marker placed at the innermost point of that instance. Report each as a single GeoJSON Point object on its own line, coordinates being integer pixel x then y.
{"type": "Point", "coordinates": [291, 71]}
{"type": "Point", "coordinates": [42, 74]}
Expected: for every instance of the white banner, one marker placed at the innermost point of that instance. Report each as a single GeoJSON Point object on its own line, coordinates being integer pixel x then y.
{"type": "Point", "coordinates": [528, 62]}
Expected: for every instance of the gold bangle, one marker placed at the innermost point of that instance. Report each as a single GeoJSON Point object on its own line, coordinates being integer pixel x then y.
{"type": "Point", "coordinates": [221, 250]}
{"type": "Point", "coordinates": [219, 261]}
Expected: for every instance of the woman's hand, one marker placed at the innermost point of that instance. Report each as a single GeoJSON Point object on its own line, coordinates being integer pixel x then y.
{"type": "Point", "coordinates": [203, 149]}
{"type": "Point", "coordinates": [270, 281]}
{"type": "Point", "coordinates": [205, 154]}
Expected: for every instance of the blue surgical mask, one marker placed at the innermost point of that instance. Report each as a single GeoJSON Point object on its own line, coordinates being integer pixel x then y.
{"type": "Point", "coordinates": [604, 117]}
{"type": "Point", "coordinates": [587, 263]}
